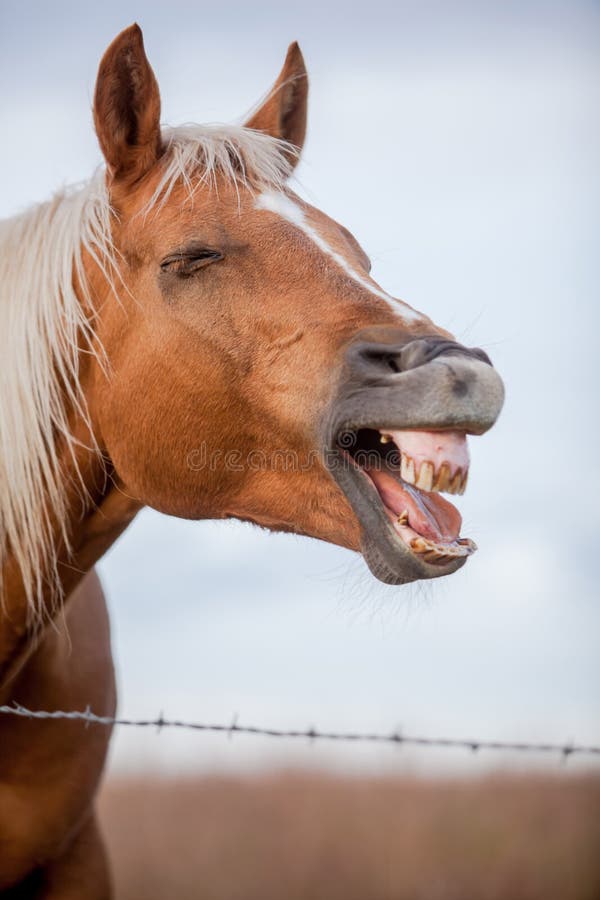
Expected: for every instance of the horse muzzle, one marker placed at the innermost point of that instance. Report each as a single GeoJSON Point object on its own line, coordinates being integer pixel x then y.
{"type": "Point", "coordinates": [395, 439]}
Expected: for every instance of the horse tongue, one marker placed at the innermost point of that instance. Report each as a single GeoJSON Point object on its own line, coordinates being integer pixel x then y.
{"type": "Point", "coordinates": [428, 513]}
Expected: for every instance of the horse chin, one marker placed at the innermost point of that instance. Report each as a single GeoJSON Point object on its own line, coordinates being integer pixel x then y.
{"type": "Point", "coordinates": [396, 565]}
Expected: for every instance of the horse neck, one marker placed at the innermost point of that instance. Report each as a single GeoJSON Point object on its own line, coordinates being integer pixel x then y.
{"type": "Point", "coordinates": [93, 526]}
{"type": "Point", "coordinates": [96, 511]}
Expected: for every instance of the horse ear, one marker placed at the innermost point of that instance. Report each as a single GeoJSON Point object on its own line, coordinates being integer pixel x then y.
{"type": "Point", "coordinates": [127, 107]}
{"type": "Point", "coordinates": [283, 113]}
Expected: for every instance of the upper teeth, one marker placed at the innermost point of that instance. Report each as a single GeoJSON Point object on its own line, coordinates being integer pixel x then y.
{"type": "Point", "coordinates": [426, 477]}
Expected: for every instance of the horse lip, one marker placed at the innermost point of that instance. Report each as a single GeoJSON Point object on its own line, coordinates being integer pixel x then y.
{"type": "Point", "coordinates": [451, 393]}
{"type": "Point", "coordinates": [427, 398]}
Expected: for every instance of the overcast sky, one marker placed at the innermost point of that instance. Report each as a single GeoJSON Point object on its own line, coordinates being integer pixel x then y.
{"type": "Point", "coordinates": [460, 143]}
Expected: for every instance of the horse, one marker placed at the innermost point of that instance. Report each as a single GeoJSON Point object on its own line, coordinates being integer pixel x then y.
{"type": "Point", "coordinates": [168, 329]}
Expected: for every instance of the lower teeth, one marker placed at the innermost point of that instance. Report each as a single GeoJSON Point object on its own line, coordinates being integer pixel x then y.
{"type": "Point", "coordinates": [403, 519]}
{"type": "Point", "coordinates": [438, 552]}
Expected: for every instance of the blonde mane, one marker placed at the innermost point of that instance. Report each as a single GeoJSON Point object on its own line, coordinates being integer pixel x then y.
{"type": "Point", "coordinates": [44, 322]}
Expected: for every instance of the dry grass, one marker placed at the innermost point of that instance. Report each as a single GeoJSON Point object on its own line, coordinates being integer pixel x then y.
{"type": "Point", "coordinates": [308, 836]}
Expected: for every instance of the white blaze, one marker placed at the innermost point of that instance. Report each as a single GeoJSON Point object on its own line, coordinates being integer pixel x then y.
{"type": "Point", "coordinates": [279, 203]}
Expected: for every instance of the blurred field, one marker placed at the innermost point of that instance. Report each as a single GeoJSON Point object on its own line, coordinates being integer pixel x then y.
{"type": "Point", "coordinates": [296, 836]}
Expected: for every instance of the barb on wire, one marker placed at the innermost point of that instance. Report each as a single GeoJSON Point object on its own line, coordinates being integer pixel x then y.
{"type": "Point", "coordinates": [308, 734]}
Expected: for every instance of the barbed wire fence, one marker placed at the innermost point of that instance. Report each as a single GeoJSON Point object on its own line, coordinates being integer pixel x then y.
{"type": "Point", "coordinates": [397, 737]}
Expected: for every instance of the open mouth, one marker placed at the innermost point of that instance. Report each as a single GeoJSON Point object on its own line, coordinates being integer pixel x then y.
{"type": "Point", "coordinates": [395, 438]}
{"type": "Point", "coordinates": [404, 473]}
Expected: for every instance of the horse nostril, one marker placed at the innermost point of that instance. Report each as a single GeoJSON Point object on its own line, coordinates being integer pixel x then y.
{"type": "Point", "coordinates": [376, 360]}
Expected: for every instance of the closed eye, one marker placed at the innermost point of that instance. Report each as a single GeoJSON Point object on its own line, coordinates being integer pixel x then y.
{"type": "Point", "coordinates": [190, 260]}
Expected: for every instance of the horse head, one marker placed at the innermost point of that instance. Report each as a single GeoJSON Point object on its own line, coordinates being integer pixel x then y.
{"type": "Point", "coordinates": [253, 368]}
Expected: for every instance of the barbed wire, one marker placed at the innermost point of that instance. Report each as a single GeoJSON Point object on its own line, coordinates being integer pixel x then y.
{"type": "Point", "coordinates": [310, 734]}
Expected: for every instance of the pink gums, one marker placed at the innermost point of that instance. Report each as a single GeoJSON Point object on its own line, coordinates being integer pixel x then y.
{"type": "Point", "coordinates": [436, 447]}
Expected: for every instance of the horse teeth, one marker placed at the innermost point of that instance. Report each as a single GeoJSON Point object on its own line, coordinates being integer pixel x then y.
{"type": "Point", "coordinates": [442, 553]}
{"type": "Point", "coordinates": [468, 544]}
{"type": "Point", "coordinates": [442, 481]}
{"type": "Point", "coordinates": [425, 479]}
{"type": "Point", "coordinates": [420, 545]}
{"type": "Point", "coordinates": [407, 469]}
{"type": "Point", "coordinates": [403, 518]}
{"type": "Point", "coordinates": [456, 482]}
{"type": "Point", "coordinates": [434, 556]}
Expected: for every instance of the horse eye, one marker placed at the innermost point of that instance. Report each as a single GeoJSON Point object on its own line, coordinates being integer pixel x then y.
{"type": "Point", "coordinates": [186, 262]}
